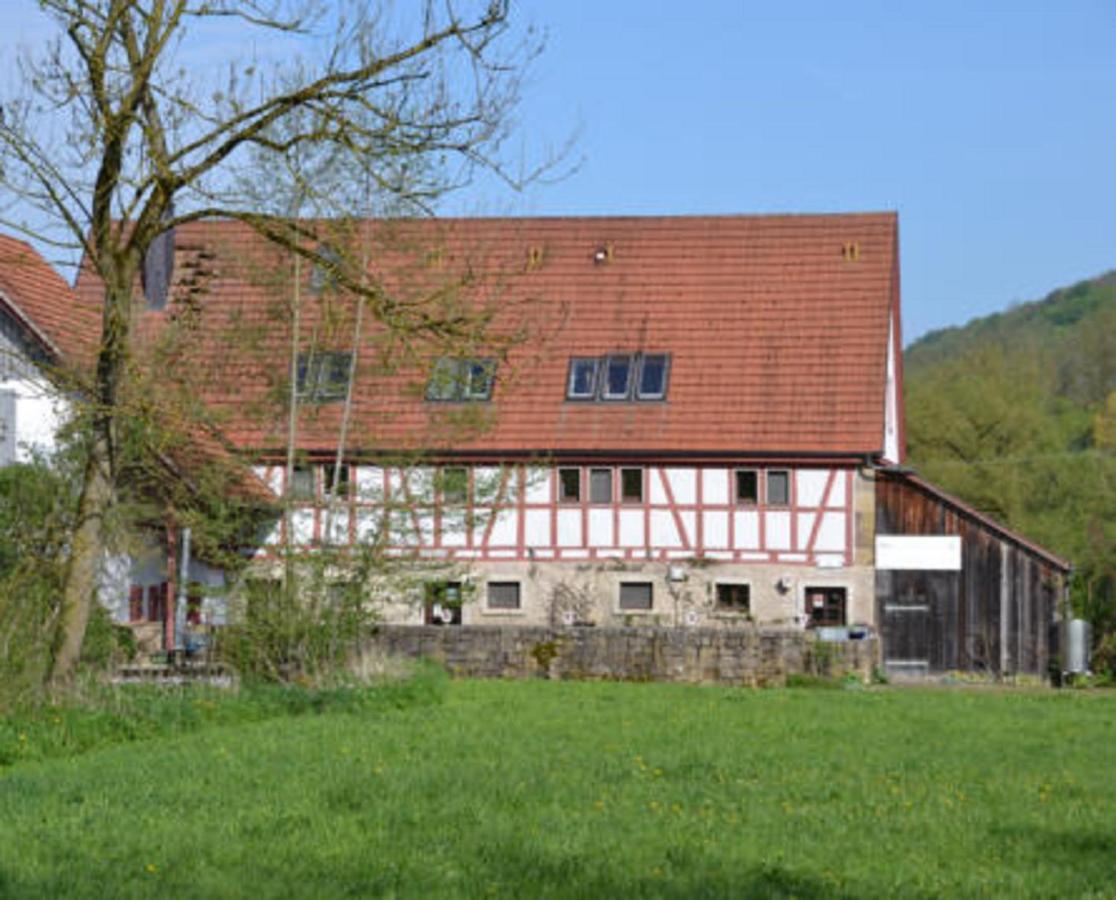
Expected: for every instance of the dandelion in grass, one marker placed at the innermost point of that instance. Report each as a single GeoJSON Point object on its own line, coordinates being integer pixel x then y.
{"type": "Point", "coordinates": [151, 868]}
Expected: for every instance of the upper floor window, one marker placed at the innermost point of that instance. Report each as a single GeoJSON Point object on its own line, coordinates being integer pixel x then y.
{"type": "Point", "coordinates": [619, 376]}
{"type": "Point", "coordinates": [332, 474]}
{"type": "Point", "coordinates": [569, 485]}
{"type": "Point", "coordinates": [747, 487]}
{"type": "Point", "coordinates": [323, 375]}
{"type": "Point", "coordinates": [456, 379]}
{"type": "Point", "coordinates": [301, 486]}
{"type": "Point", "coordinates": [631, 485]}
{"type": "Point", "coordinates": [778, 487]}
{"type": "Point", "coordinates": [455, 485]}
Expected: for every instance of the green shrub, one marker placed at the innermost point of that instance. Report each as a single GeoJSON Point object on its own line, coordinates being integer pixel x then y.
{"type": "Point", "coordinates": [303, 629]}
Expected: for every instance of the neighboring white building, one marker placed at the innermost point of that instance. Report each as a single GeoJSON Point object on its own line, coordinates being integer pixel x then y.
{"type": "Point", "coordinates": [31, 408]}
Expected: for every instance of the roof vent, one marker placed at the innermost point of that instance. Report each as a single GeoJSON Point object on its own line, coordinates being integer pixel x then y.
{"type": "Point", "coordinates": [602, 255]}
{"type": "Point", "coordinates": [535, 256]}
{"type": "Point", "coordinates": [850, 251]}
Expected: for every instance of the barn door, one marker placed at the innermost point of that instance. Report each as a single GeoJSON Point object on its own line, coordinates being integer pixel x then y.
{"type": "Point", "coordinates": [907, 630]}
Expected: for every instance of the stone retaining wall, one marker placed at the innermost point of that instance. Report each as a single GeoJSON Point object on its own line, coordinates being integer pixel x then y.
{"type": "Point", "coordinates": [746, 656]}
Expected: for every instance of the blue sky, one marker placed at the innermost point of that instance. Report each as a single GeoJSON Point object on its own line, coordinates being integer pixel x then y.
{"type": "Point", "coordinates": [988, 126]}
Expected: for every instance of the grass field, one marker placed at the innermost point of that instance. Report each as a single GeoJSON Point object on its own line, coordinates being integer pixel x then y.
{"type": "Point", "coordinates": [544, 789]}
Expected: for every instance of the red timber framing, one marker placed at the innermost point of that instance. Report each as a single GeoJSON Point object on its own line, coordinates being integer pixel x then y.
{"type": "Point", "coordinates": [515, 513]}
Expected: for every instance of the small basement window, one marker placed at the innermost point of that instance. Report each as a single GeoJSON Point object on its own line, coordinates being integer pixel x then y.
{"type": "Point", "coordinates": [600, 485]}
{"type": "Point", "coordinates": [778, 487]}
{"type": "Point", "coordinates": [503, 595]}
{"type": "Point", "coordinates": [618, 377]}
{"type": "Point", "coordinates": [631, 485]}
{"type": "Point", "coordinates": [582, 382]}
{"type": "Point", "coordinates": [734, 597]}
{"type": "Point", "coordinates": [569, 485]}
{"type": "Point", "coordinates": [323, 375]}
{"type": "Point", "coordinates": [826, 606]}
{"type": "Point", "coordinates": [747, 487]}
{"type": "Point", "coordinates": [653, 376]}
{"type": "Point", "coordinates": [636, 595]}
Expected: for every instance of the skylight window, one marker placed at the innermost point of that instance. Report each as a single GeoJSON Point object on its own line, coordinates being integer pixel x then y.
{"type": "Point", "coordinates": [323, 375]}
{"type": "Point", "coordinates": [582, 384]}
{"type": "Point", "coordinates": [619, 376]}
{"type": "Point", "coordinates": [325, 272]}
{"type": "Point", "coordinates": [652, 376]}
{"type": "Point", "coordinates": [461, 380]}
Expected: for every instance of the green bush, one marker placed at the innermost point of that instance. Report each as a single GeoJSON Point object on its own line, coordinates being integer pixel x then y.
{"type": "Point", "coordinates": [303, 629]}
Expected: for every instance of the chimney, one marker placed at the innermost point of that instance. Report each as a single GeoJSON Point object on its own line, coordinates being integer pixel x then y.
{"type": "Point", "coordinates": [158, 267]}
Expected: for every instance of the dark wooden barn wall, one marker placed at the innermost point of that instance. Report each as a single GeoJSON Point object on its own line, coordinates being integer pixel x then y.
{"type": "Point", "coordinates": [965, 625]}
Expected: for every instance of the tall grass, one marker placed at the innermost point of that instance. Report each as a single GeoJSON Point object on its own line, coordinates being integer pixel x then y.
{"type": "Point", "coordinates": [97, 715]}
{"type": "Point", "coordinates": [544, 789]}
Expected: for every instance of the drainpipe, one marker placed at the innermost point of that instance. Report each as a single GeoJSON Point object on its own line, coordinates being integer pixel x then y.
{"type": "Point", "coordinates": [183, 581]}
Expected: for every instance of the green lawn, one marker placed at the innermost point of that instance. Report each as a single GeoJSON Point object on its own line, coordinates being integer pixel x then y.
{"type": "Point", "coordinates": [540, 789]}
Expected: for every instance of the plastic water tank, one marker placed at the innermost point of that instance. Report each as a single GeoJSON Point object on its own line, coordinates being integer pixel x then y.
{"type": "Point", "coordinates": [1078, 641]}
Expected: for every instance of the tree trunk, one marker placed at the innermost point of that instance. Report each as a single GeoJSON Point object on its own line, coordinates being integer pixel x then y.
{"type": "Point", "coordinates": [86, 557]}
{"type": "Point", "coordinates": [87, 554]}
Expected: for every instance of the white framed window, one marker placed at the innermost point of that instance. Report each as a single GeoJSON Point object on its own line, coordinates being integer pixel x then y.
{"type": "Point", "coordinates": [569, 485]}
{"type": "Point", "coordinates": [631, 485]}
{"type": "Point", "coordinates": [600, 485]}
{"type": "Point", "coordinates": [652, 380]}
{"type": "Point", "coordinates": [453, 483]}
{"type": "Point", "coordinates": [747, 487]}
{"type": "Point", "coordinates": [455, 380]}
{"type": "Point", "coordinates": [617, 377]}
{"type": "Point", "coordinates": [323, 375]}
{"type": "Point", "coordinates": [778, 487]}
{"type": "Point", "coordinates": [581, 383]}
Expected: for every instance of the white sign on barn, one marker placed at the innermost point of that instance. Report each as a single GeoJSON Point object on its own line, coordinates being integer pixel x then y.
{"type": "Point", "coordinates": [920, 552]}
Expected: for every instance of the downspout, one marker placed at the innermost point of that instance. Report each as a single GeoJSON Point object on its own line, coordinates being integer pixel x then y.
{"type": "Point", "coordinates": [183, 599]}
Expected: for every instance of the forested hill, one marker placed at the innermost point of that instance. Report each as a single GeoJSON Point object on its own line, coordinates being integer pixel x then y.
{"type": "Point", "coordinates": [1016, 413]}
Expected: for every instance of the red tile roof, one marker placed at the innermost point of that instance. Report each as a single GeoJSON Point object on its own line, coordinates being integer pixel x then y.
{"type": "Point", "coordinates": [40, 298]}
{"type": "Point", "coordinates": [777, 328]}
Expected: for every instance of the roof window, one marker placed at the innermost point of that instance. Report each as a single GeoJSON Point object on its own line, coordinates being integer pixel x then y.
{"type": "Point", "coordinates": [582, 382]}
{"type": "Point", "coordinates": [618, 377]}
{"type": "Point", "coordinates": [457, 380]}
{"type": "Point", "coordinates": [323, 376]}
{"type": "Point", "coordinates": [326, 267]}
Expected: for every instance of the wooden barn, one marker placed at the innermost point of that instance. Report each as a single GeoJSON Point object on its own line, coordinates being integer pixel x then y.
{"type": "Point", "coordinates": [955, 590]}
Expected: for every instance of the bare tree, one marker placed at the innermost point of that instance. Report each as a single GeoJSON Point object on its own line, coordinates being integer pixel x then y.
{"type": "Point", "coordinates": [116, 142]}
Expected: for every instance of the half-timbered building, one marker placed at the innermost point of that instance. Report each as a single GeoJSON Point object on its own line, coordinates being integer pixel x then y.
{"type": "Point", "coordinates": [685, 421]}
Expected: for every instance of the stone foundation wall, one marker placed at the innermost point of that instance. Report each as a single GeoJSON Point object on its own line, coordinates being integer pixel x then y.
{"type": "Point", "coordinates": [744, 656]}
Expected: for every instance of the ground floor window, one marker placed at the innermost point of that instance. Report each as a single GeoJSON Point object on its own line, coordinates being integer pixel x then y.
{"type": "Point", "coordinates": [734, 597]}
{"type": "Point", "coordinates": [443, 603]}
{"type": "Point", "coordinates": [636, 595]}
{"type": "Point", "coordinates": [503, 595]}
{"type": "Point", "coordinates": [826, 606]}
